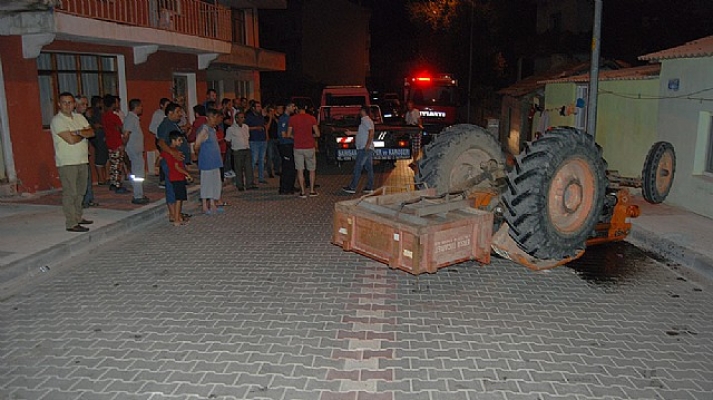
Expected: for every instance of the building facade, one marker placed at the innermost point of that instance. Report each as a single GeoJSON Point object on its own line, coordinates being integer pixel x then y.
{"type": "Point", "coordinates": [685, 119]}
{"type": "Point", "coordinates": [133, 49]}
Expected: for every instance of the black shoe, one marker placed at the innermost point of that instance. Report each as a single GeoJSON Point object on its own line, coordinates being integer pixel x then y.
{"type": "Point", "coordinates": [85, 222]}
{"type": "Point", "coordinates": [347, 189]}
{"type": "Point", "coordinates": [286, 192]}
{"type": "Point", "coordinates": [253, 187]}
{"type": "Point", "coordinates": [143, 200]}
{"type": "Point", "coordinates": [271, 175]}
{"type": "Point", "coordinates": [264, 182]}
{"type": "Point", "coordinates": [121, 190]}
{"type": "Point", "coordinates": [78, 228]}
{"type": "Point", "coordinates": [241, 189]}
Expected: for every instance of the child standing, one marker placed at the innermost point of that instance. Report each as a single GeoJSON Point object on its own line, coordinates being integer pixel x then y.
{"type": "Point", "coordinates": [177, 176]}
{"type": "Point", "coordinates": [210, 162]}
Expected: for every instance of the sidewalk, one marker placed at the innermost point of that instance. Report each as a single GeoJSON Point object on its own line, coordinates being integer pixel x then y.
{"type": "Point", "coordinates": [677, 235]}
{"type": "Point", "coordinates": [32, 233]}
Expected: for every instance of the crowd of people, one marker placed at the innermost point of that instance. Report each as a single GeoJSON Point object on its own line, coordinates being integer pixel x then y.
{"type": "Point", "coordinates": [229, 141]}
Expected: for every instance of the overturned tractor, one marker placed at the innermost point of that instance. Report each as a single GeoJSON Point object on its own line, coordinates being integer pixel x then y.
{"type": "Point", "coordinates": [541, 209]}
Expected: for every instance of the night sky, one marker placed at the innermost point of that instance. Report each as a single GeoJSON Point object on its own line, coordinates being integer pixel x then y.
{"type": "Point", "coordinates": [506, 33]}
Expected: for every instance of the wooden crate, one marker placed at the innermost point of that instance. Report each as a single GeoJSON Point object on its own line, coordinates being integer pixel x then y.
{"type": "Point", "coordinates": [382, 228]}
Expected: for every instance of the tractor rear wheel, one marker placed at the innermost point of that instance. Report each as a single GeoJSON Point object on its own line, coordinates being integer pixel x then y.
{"type": "Point", "coordinates": [555, 194]}
{"type": "Point", "coordinates": [456, 155]}
{"type": "Point", "coordinates": [658, 172]}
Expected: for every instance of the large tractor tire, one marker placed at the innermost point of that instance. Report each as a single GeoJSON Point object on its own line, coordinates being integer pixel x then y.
{"type": "Point", "coordinates": [455, 156]}
{"type": "Point", "coordinates": [555, 194]}
{"type": "Point", "coordinates": [659, 170]}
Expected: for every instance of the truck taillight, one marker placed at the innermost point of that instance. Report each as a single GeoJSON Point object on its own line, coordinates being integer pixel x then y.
{"type": "Point", "coordinates": [345, 145]}
{"type": "Point", "coordinates": [423, 79]}
{"type": "Point", "coordinates": [403, 143]}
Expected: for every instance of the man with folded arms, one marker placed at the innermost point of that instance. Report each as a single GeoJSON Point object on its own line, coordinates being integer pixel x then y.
{"type": "Point", "coordinates": [69, 133]}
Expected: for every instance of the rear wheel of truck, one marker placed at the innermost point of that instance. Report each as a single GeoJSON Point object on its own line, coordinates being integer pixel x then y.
{"type": "Point", "coordinates": [455, 156]}
{"type": "Point", "coordinates": [555, 194]}
{"type": "Point", "coordinates": [658, 172]}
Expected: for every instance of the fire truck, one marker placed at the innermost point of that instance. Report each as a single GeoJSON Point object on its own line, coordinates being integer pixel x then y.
{"type": "Point", "coordinates": [436, 97]}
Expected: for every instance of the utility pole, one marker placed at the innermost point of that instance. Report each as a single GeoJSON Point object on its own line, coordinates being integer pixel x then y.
{"type": "Point", "coordinates": [594, 70]}
{"type": "Point", "coordinates": [470, 60]}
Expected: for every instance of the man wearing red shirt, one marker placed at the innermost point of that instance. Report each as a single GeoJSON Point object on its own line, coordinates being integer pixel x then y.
{"type": "Point", "coordinates": [303, 128]}
{"type": "Point", "coordinates": [115, 139]}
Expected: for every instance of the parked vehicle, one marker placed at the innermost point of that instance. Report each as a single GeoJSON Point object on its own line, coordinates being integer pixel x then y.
{"type": "Point", "coordinates": [339, 120]}
{"type": "Point", "coordinates": [436, 97]}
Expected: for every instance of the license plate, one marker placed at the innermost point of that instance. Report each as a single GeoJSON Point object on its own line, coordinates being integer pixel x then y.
{"type": "Point", "coordinates": [379, 154]}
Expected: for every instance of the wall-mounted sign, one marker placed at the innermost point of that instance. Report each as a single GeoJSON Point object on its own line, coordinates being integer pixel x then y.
{"type": "Point", "coordinates": [673, 84]}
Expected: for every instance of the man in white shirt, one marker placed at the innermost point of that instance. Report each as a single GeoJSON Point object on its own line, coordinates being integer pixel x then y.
{"type": "Point", "coordinates": [238, 135]}
{"type": "Point", "coordinates": [156, 119]}
{"type": "Point", "coordinates": [69, 133]}
{"type": "Point", "coordinates": [135, 150]}
{"type": "Point", "coordinates": [364, 143]}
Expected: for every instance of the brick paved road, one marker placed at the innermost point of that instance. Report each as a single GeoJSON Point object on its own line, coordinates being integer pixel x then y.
{"type": "Point", "coordinates": [256, 304]}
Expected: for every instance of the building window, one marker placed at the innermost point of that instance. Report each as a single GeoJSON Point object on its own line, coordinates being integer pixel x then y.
{"type": "Point", "coordinates": [239, 35]}
{"type": "Point", "coordinates": [86, 74]}
{"type": "Point", "coordinates": [242, 89]}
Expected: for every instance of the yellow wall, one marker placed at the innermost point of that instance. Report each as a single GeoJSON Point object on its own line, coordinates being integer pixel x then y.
{"type": "Point", "coordinates": [556, 96]}
{"type": "Point", "coordinates": [626, 123]}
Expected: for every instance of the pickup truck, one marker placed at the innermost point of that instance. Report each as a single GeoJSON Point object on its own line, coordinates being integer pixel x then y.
{"type": "Point", "coordinates": [339, 121]}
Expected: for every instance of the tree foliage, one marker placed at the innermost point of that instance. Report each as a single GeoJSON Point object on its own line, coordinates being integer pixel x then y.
{"type": "Point", "coordinates": [437, 14]}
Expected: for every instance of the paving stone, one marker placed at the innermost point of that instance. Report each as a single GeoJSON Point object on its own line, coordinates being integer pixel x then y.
{"type": "Point", "coordinates": [236, 319]}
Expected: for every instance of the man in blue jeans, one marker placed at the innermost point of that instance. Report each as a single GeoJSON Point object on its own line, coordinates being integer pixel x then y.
{"type": "Point", "coordinates": [258, 138]}
{"type": "Point", "coordinates": [365, 154]}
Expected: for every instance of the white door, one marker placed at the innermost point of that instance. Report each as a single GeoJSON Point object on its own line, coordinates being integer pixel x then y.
{"type": "Point", "coordinates": [580, 120]}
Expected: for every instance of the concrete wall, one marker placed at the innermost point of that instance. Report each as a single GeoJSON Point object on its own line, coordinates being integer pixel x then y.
{"type": "Point", "coordinates": [686, 124]}
{"type": "Point", "coordinates": [626, 124]}
{"type": "Point", "coordinates": [577, 15]}
{"type": "Point", "coordinates": [31, 145]}
{"type": "Point", "coordinates": [327, 55]}
{"type": "Point", "coordinates": [511, 124]}
{"type": "Point", "coordinates": [556, 96]}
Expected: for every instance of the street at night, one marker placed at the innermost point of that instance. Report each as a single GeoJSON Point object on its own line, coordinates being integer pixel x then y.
{"type": "Point", "coordinates": [257, 304]}
{"type": "Point", "coordinates": [356, 200]}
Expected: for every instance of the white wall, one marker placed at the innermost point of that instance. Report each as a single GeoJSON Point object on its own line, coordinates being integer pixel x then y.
{"type": "Point", "coordinates": [684, 120]}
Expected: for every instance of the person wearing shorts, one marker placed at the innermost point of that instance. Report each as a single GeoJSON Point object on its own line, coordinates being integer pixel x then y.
{"type": "Point", "coordinates": [177, 177]}
{"type": "Point", "coordinates": [303, 128]}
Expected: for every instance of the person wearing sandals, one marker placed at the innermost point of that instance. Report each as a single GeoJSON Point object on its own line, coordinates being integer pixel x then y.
{"type": "Point", "coordinates": [303, 128]}
{"type": "Point", "coordinates": [210, 162]}
{"type": "Point", "coordinates": [177, 178]}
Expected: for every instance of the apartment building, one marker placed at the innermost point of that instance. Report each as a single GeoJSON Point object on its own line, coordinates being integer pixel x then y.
{"type": "Point", "coordinates": [145, 49]}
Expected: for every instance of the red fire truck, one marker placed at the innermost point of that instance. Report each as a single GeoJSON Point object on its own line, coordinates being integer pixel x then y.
{"type": "Point", "coordinates": [436, 97]}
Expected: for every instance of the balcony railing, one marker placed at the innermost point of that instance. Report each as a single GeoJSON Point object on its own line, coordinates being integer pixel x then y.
{"type": "Point", "coordinates": [191, 17]}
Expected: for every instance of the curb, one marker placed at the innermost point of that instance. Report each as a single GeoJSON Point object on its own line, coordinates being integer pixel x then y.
{"type": "Point", "coordinates": [27, 270]}
{"type": "Point", "coordinates": [671, 250]}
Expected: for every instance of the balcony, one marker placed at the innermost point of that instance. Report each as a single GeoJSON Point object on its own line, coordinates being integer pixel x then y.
{"type": "Point", "coordinates": [242, 57]}
{"type": "Point", "coordinates": [190, 17]}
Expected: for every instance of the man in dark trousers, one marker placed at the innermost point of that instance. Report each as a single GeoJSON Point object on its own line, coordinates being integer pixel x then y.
{"type": "Point", "coordinates": [286, 146]}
